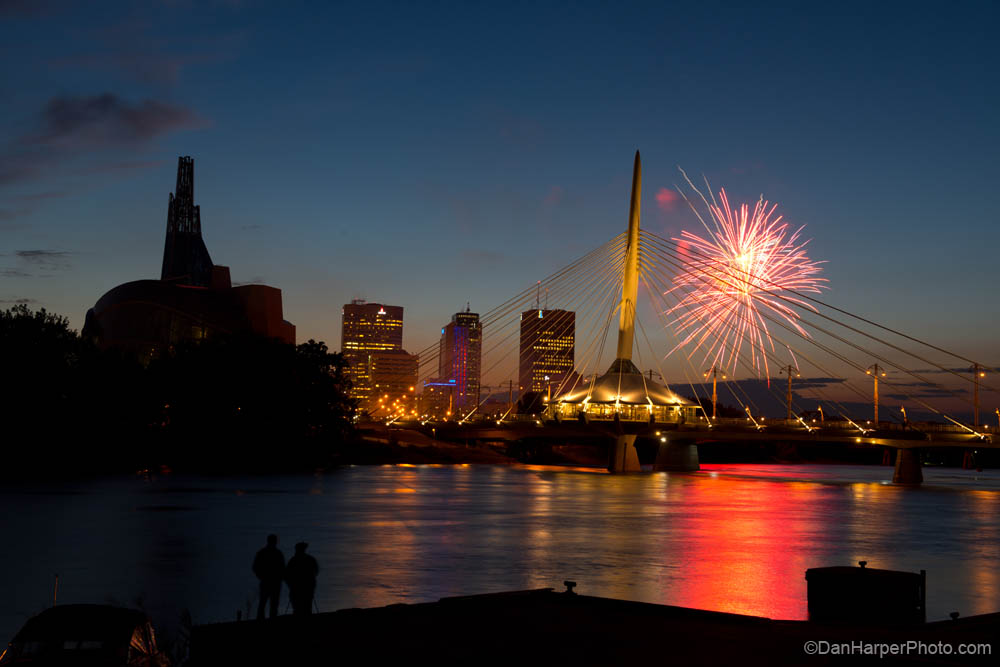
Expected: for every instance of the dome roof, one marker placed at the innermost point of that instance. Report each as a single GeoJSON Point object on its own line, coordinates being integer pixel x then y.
{"type": "Point", "coordinates": [623, 383]}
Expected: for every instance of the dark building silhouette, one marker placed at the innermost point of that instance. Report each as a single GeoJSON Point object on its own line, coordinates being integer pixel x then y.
{"type": "Point", "coordinates": [548, 341]}
{"type": "Point", "coordinates": [185, 257]}
{"type": "Point", "coordinates": [193, 299]}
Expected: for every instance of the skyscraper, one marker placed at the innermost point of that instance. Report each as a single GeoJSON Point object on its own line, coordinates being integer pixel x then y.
{"type": "Point", "coordinates": [367, 328]}
{"type": "Point", "coordinates": [548, 341]}
{"type": "Point", "coordinates": [461, 356]}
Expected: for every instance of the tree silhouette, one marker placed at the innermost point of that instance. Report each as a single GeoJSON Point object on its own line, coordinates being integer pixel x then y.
{"type": "Point", "coordinates": [224, 403]}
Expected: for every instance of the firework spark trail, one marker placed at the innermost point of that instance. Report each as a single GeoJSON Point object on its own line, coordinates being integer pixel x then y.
{"type": "Point", "coordinates": [733, 273]}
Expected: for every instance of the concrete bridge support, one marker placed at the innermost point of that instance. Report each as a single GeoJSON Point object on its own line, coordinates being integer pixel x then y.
{"type": "Point", "coordinates": [908, 469]}
{"type": "Point", "coordinates": [624, 457]}
{"type": "Point", "coordinates": [677, 455]}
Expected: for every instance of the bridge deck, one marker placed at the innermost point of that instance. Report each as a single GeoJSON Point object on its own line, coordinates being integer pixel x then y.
{"type": "Point", "coordinates": [723, 431]}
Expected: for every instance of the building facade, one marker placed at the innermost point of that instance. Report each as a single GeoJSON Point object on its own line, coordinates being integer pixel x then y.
{"type": "Point", "coordinates": [460, 357]}
{"type": "Point", "coordinates": [367, 328]}
{"type": "Point", "coordinates": [437, 400]}
{"type": "Point", "coordinates": [393, 378]}
{"type": "Point", "coordinates": [548, 344]}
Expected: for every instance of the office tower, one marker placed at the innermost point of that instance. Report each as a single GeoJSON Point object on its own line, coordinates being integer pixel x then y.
{"type": "Point", "coordinates": [367, 328]}
{"type": "Point", "coordinates": [548, 341]}
{"type": "Point", "coordinates": [460, 357]}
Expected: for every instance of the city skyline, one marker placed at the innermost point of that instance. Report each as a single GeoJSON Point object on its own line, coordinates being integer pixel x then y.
{"type": "Point", "coordinates": [494, 169]}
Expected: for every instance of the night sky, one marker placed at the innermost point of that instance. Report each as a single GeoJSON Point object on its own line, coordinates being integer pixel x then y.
{"type": "Point", "coordinates": [429, 154]}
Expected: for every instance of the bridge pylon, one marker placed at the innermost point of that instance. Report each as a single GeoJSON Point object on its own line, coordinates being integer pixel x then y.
{"type": "Point", "coordinates": [907, 469]}
{"type": "Point", "coordinates": [670, 455]}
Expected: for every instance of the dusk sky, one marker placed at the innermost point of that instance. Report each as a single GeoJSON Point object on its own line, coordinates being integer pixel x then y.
{"type": "Point", "coordinates": [429, 154]}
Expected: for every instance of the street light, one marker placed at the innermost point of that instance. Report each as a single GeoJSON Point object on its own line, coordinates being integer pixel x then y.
{"type": "Point", "coordinates": [875, 370]}
{"type": "Point", "coordinates": [977, 372]}
{"type": "Point", "coordinates": [714, 371]}
{"type": "Point", "coordinates": [789, 369]}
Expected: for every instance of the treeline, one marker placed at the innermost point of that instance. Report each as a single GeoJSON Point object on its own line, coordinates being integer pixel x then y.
{"type": "Point", "coordinates": [222, 404]}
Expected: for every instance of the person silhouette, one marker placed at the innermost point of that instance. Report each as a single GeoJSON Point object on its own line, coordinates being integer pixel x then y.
{"type": "Point", "coordinates": [300, 575]}
{"type": "Point", "coordinates": [269, 566]}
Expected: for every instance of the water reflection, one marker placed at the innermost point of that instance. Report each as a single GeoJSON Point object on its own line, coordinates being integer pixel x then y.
{"type": "Point", "coordinates": [731, 538]}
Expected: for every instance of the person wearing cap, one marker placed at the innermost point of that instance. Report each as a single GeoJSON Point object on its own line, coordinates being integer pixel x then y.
{"type": "Point", "coordinates": [300, 575]}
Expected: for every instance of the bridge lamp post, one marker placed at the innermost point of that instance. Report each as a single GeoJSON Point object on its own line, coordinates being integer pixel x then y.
{"type": "Point", "coordinates": [875, 370]}
{"type": "Point", "coordinates": [821, 418]}
{"type": "Point", "coordinates": [714, 372]}
{"type": "Point", "coordinates": [790, 370]}
{"type": "Point", "coordinates": [977, 372]}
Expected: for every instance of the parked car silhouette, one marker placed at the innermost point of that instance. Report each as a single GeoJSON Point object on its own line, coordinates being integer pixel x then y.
{"type": "Point", "coordinates": [86, 634]}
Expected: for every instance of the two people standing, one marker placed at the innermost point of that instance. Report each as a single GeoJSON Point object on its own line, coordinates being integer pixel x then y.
{"type": "Point", "coordinates": [300, 575]}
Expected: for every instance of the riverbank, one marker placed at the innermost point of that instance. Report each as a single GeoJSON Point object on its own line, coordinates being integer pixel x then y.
{"type": "Point", "coordinates": [545, 627]}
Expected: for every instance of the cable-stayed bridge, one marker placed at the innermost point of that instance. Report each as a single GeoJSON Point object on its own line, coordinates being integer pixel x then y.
{"type": "Point", "coordinates": [709, 316]}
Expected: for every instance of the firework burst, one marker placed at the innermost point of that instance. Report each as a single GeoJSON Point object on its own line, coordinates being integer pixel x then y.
{"type": "Point", "coordinates": [735, 278]}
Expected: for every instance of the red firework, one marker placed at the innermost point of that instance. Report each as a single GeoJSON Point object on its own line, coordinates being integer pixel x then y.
{"type": "Point", "coordinates": [735, 278]}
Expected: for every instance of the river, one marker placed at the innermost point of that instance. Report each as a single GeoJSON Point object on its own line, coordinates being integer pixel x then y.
{"type": "Point", "coordinates": [735, 538]}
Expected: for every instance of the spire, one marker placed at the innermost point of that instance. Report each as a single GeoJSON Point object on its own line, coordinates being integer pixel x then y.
{"type": "Point", "coordinates": [630, 273]}
{"type": "Point", "coordinates": [185, 257]}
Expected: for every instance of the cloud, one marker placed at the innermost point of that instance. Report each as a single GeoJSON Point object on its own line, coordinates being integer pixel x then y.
{"type": "Point", "coordinates": [961, 371]}
{"type": "Point", "coordinates": [810, 383]}
{"type": "Point", "coordinates": [10, 214]}
{"type": "Point", "coordinates": [126, 165]}
{"type": "Point", "coordinates": [17, 301]}
{"type": "Point", "coordinates": [25, 8]}
{"type": "Point", "coordinates": [256, 280]}
{"type": "Point", "coordinates": [137, 49]}
{"type": "Point", "coordinates": [50, 259]}
{"type": "Point", "coordinates": [14, 170]}
{"type": "Point", "coordinates": [74, 127]}
{"type": "Point", "coordinates": [100, 121]}
{"type": "Point", "coordinates": [554, 196]}
{"type": "Point", "coordinates": [14, 273]}
{"type": "Point", "coordinates": [667, 199]}
{"type": "Point", "coordinates": [42, 196]}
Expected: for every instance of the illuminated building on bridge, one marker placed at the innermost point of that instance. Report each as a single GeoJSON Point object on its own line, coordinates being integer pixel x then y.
{"type": "Point", "coordinates": [623, 392]}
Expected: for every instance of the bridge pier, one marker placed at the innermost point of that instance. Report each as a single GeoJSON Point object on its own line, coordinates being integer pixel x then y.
{"type": "Point", "coordinates": [624, 457]}
{"type": "Point", "coordinates": [677, 455]}
{"type": "Point", "coordinates": [908, 469]}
